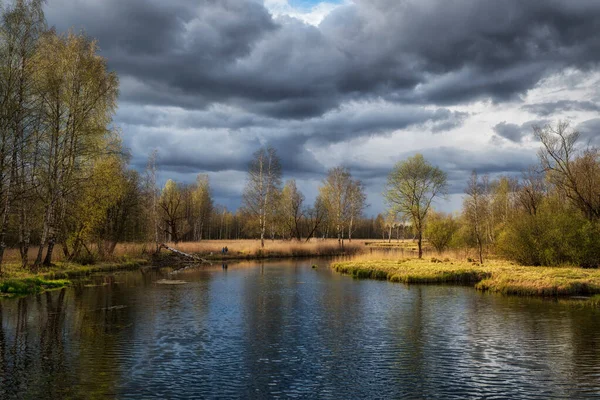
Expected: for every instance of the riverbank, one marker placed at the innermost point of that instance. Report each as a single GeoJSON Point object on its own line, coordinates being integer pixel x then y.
{"type": "Point", "coordinates": [494, 276]}
{"type": "Point", "coordinates": [252, 250]}
{"type": "Point", "coordinates": [17, 281]}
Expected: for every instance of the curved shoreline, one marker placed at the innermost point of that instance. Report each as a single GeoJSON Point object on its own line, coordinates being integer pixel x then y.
{"type": "Point", "coordinates": [495, 276]}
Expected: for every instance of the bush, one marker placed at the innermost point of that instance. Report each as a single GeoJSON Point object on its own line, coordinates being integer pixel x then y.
{"type": "Point", "coordinates": [440, 230]}
{"type": "Point", "coordinates": [556, 235]}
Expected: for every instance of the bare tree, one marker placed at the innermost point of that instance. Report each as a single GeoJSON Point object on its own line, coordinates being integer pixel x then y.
{"type": "Point", "coordinates": [358, 200]}
{"type": "Point", "coordinates": [573, 171]}
{"type": "Point", "coordinates": [315, 217]}
{"type": "Point", "coordinates": [344, 198]}
{"type": "Point", "coordinates": [153, 192]}
{"type": "Point", "coordinates": [532, 190]}
{"type": "Point", "coordinates": [171, 205]}
{"type": "Point", "coordinates": [476, 210]}
{"type": "Point", "coordinates": [412, 186]}
{"type": "Point", "coordinates": [264, 181]}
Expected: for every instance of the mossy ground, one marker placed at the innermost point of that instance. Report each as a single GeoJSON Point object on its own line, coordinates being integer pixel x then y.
{"type": "Point", "coordinates": [21, 287]}
{"type": "Point", "coordinates": [16, 281]}
{"type": "Point", "coordinates": [494, 276]}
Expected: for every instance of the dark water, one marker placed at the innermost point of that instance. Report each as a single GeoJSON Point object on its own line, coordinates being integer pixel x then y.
{"type": "Point", "coordinates": [284, 330]}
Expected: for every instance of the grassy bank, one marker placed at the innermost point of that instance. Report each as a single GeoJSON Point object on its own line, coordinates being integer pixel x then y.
{"type": "Point", "coordinates": [17, 281]}
{"type": "Point", "coordinates": [495, 276]}
{"type": "Point", "coordinates": [26, 286]}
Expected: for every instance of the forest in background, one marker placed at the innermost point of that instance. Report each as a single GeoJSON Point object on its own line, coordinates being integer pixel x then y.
{"type": "Point", "coordinates": [66, 184]}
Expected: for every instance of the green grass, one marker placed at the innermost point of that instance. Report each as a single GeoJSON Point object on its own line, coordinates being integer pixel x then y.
{"type": "Point", "coordinates": [495, 276]}
{"type": "Point", "coordinates": [17, 281]}
{"type": "Point", "coordinates": [22, 287]}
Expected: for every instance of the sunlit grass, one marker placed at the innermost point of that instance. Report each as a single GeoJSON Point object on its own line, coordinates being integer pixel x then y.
{"type": "Point", "coordinates": [494, 276]}
{"type": "Point", "coordinates": [272, 249]}
{"type": "Point", "coordinates": [21, 287]}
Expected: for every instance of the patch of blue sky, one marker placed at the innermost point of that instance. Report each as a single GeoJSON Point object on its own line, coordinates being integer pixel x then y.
{"type": "Point", "coordinates": [309, 4]}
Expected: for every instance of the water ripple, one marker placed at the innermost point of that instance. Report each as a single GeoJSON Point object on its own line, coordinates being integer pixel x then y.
{"type": "Point", "coordinates": [254, 332]}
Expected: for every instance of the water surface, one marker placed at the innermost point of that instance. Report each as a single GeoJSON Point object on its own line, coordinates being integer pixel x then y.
{"type": "Point", "coordinates": [285, 330]}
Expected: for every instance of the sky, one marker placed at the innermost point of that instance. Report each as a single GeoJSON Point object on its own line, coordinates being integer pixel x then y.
{"type": "Point", "coordinates": [358, 83]}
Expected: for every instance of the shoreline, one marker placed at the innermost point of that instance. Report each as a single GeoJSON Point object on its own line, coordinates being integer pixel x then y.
{"type": "Point", "coordinates": [495, 276]}
{"type": "Point", "coordinates": [58, 276]}
{"type": "Point", "coordinates": [24, 282]}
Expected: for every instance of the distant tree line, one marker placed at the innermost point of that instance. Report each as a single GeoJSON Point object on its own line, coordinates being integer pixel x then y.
{"type": "Point", "coordinates": [271, 209]}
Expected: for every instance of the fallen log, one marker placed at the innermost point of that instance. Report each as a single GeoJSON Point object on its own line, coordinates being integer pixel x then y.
{"type": "Point", "coordinates": [181, 253]}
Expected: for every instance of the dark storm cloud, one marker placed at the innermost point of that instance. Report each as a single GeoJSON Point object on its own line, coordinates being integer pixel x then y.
{"type": "Point", "coordinates": [512, 132]}
{"type": "Point", "coordinates": [223, 147]}
{"type": "Point", "coordinates": [516, 133]}
{"type": "Point", "coordinates": [548, 109]}
{"type": "Point", "coordinates": [408, 51]}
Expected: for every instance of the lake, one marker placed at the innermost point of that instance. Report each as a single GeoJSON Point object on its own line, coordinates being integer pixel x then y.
{"type": "Point", "coordinates": [284, 330]}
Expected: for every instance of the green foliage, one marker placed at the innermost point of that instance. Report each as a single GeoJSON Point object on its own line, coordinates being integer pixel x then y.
{"type": "Point", "coordinates": [440, 230]}
{"type": "Point", "coordinates": [411, 188]}
{"type": "Point", "coordinates": [30, 286]}
{"type": "Point", "coordinates": [557, 234]}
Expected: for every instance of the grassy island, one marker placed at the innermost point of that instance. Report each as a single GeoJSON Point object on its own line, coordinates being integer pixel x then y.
{"type": "Point", "coordinates": [494, 276]}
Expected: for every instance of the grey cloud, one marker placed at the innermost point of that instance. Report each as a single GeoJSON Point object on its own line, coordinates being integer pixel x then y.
{"type": "Point", "coordinates": [516, 133]}
{"type": "Point", "coordinates": [408, 51]}
{"type": "Point", "coordinates": [548, 109]}
{"type": "Point", "coordinates": [456, 162]}
{"type": "Point", "coordinates": [590, 131]}
{"type": "Point", "coordinates": [228, 135]}
{"type": "Point", "coordinates": [509, 131]}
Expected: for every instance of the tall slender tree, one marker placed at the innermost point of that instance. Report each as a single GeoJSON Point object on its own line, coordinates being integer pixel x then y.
{"type": "Point", "coordinates": [21, 25]}
{"type": "Point", "coordinates": [412, 186]}
{"type": "Point", "coordinates": [476, 210]}
{"type": "Point", "coordinates": [262, 187]}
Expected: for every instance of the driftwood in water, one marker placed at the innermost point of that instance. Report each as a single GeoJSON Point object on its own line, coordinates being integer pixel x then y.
{"type": "Point", "coordinates": [186, 255]}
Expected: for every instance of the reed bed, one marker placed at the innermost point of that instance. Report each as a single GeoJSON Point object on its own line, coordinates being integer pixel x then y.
{"type": "Point", "coordinates": [273, 249]}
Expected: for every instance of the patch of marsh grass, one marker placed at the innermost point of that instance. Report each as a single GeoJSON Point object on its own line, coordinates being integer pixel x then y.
{"type": "Point", "coordinates": [494, 276]}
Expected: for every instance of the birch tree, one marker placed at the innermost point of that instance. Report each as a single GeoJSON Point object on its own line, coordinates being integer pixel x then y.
{"type": "Point", "coordinates": [21, 25]}
{"type": "Point", "coordinates": [77, 96]}
{"type": "Point", "coordinates": [344, 199]}
{"type": "Point", "coordinates": [358, 200]}
{"type": "Point", "coordinates": [476, 210]}
{"type": "Point", "coordinates": [262, 187]}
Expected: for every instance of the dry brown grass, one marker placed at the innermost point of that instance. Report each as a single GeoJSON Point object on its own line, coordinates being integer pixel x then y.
{"type": "Point", "coordinates": [277, 248]}
{"type": "Point", "coordinates": [236, 248]}
{"type": "Point", "coordinates": [123, 250]}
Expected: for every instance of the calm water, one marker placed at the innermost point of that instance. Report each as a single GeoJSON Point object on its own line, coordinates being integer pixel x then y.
{"type": "Point", "coordinates": [284, 330]}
